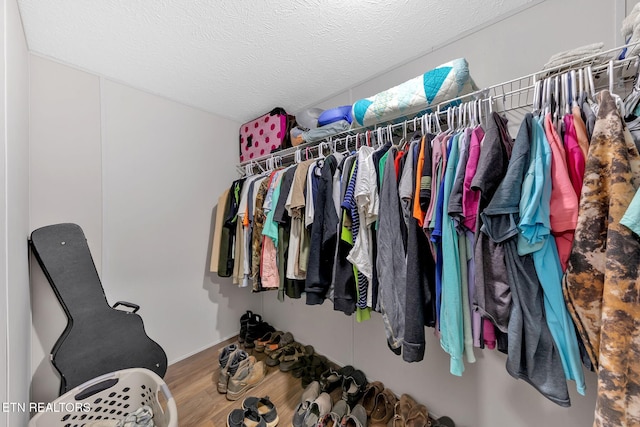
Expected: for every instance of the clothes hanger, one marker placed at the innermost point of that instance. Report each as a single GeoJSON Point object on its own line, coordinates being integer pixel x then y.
{"type": "Point", "coordinates": [580, 82]}
{"type": "Point", "coordinates": [321, 151]}
{"type": "Point", "coordinates": [591, 83]}
{"type": "Point", "coordinates": [574, 88]}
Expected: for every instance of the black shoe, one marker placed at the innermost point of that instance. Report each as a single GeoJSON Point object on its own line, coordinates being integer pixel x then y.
{"type": "Point", "coordinates": [353, 386]}
{"type": "Point", "coordinates": [244, 321]}
{"type": "Point", "coordinates": [256, 329]}
{"type": "Point", "coordinates": [329, 380]}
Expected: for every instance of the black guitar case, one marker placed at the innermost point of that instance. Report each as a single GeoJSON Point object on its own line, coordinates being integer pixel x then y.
{"type": "Point", "coordinates": [98, 338]}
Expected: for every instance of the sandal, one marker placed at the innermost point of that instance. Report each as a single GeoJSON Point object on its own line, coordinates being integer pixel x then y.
{"type": "Point", "coordinates": [292, 354]}
{"type": "Point", "coordinates": [278, 342]}
{"type": "Point", "coordinates": [262, 342]}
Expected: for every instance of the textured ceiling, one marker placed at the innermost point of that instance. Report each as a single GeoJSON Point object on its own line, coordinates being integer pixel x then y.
{"type": "Point", "coordinates": [240, 58]}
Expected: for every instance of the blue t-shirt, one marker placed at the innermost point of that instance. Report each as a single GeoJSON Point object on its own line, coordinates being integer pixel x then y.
{"type": "Point", "coordinates": [535, 238]}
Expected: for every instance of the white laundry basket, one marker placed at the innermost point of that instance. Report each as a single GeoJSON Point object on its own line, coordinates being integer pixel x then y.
{"type": "Point", "coordinates": [111, 397]}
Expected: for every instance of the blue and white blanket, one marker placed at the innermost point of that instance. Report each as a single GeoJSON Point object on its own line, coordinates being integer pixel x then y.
{"type": "Point", "coordinates": [415, 96]}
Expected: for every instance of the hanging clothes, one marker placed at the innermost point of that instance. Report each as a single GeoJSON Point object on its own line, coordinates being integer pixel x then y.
{"type": "Point", "coordinates": [324, 233]}
{"type": "Point", "coordinates": [492, 293]}
{"type": "Point", "coordinates": [532, 354]}
{"type": "Point", "coordinates": [600, 284]}
{"type": "Point", "coordinates": [535, 239]}
{"type": "Point", "coordinates": [391, 260]}
{"type": "Point", "coordinates": [343, 277]}
{"type": "Point", "coordinates": [216, 246]}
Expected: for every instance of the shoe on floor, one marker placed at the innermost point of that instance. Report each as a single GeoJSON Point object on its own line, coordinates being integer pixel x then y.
{"type": "Point", "coordinates": [330, 380]}
{"type": "Point", "coordinates": [318, 409]}
{"type": "Point", "coordinates": [404, 405]}
{"type": "Point", "coordinates": [245, 418]}
{"type": "Point", "coordinates": [291, 355]}
{"type": "Point", "coordinates": [244, 321]}
{"type": "Point", "coordinates": [256, 329]}
{"type": "Point", "coordinates": [333, 418]}
{"type": "Point", "coordinates": [418, 416]}
{"type": "Point", "coordinates": [371, 392]}
{"type": "Point", "coordinates": [278, 342]}
{"type": "Point", "coordinates": [313, 372]}
{"type": "Point", "coordinates": [353, 386]}
{"type": "Point", "coordinates": [264, 407]}
{"type": "Point", "coordinates": [230, 368]}
{"type": "Point", "coordinates": [357, 417]}
{"type": "Point", "coordinates": [442, 422]}
{"type": "Point", "coordinates": [384, 408]}
{"type": "Point", "coordinates": [250, 373]}
{"type": "Point", "coordinates": [309, 395]}
{"type": "Point", "coordinates": [266, 338]}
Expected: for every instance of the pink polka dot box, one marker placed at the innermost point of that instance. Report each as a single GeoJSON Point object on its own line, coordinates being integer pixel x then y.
{"type": "Point", "coordinates": [264, 135]}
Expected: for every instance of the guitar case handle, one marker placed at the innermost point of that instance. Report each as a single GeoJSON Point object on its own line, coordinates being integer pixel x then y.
{"type": "Point", "coordinates": [131, 305]}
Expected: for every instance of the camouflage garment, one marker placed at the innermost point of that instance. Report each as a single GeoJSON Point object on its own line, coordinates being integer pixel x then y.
{"type": "Point", "coordinates": [601, 282]}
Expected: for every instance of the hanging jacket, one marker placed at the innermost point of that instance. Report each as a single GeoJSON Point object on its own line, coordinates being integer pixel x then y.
{"type": "Point", "coordinates": [324, 234]}
{"type": "Point", "coordinates": [601, 282]}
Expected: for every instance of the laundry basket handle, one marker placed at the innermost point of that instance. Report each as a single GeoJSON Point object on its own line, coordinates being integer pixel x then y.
{"type": "Point", "coordinates": [96, 385]}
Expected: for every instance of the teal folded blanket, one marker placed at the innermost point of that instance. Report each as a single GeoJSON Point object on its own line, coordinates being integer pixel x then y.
{"type": "Point", "coordinates": [415, 96]}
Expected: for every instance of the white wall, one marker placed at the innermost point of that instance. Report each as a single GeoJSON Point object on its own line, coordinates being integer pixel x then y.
{"type": "Point", "coordinates": [165, 165]}
{"type": "Point", "coordinates": [14, 219]}
{"type": "Point", "coordinates": [485, 395]}
{"type": "Point", "coordinates": [66, 186]}
{"type": "Point", "coordinates": [141, 175]}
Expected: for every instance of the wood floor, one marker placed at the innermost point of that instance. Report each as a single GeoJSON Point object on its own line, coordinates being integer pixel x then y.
{"type": "Point", "coordinates": [193, 384]}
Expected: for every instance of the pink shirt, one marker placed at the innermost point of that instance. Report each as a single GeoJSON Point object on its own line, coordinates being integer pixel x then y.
{"type": "Point", "coordinates": [564, 202]}
{"type": "Point", "coordinates": [575, 156]}
{"type": "Point", "coordinates": [470, 198]}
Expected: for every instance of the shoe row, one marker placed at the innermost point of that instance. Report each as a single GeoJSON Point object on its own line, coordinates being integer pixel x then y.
{"type": "Point", "coordinates": [239, 372]}
{"type": "Point", "coordinates": [256, 411]}
{"type": "Point", "coordinates": [408, 413]}
{"type": "Point", "coordinates": [316, 409]}
{"type": "Point", "coordinates": [378, 407]}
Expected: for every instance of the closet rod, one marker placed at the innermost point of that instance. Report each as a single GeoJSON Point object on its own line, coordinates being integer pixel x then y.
{"type": "Point", "coordinates": [598, 62]}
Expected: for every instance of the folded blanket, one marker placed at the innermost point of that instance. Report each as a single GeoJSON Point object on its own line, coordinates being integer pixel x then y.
{"type": "Point", "coordinates": [631, 31]}
{"type": "Point", "coordinates": [415, 96]}
{"type": "Point", "coordinates": [573, 55]}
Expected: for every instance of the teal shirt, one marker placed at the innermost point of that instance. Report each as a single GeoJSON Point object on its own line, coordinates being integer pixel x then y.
{"type": "Point", "coordinates": [270, 228]}
{"type": "Point", "coordinates": [535, 238]}
{"type": "Point", "coordinates": [451, 317]}
{"type": "Point", "coordinates": [631, 218]}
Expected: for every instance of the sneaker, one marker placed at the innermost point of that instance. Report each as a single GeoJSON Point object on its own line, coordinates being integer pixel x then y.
{"type": "Point", "coordinates": [330, 380]}
{"type": "Point", "coordinates": [309, 395]}
{"type": "Point", "coordinates": [318, 409]}
{"type": "Point", "coordinates": [333, 418]}
{"type": "Point", "coordinates": [250, 373]}
{"type": "Point", "coordinates": [264, 407]}
{"type": "Point", "coordinates": [357, 418]}
{"type": "Point", "coordinates": [353, 387]}
{"type": "Point", "coordinates": [230, 368]}
{"type": "Point", "coordinates": [244, 418]}
{"type": "Point", "coordinates": [244, 321]}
